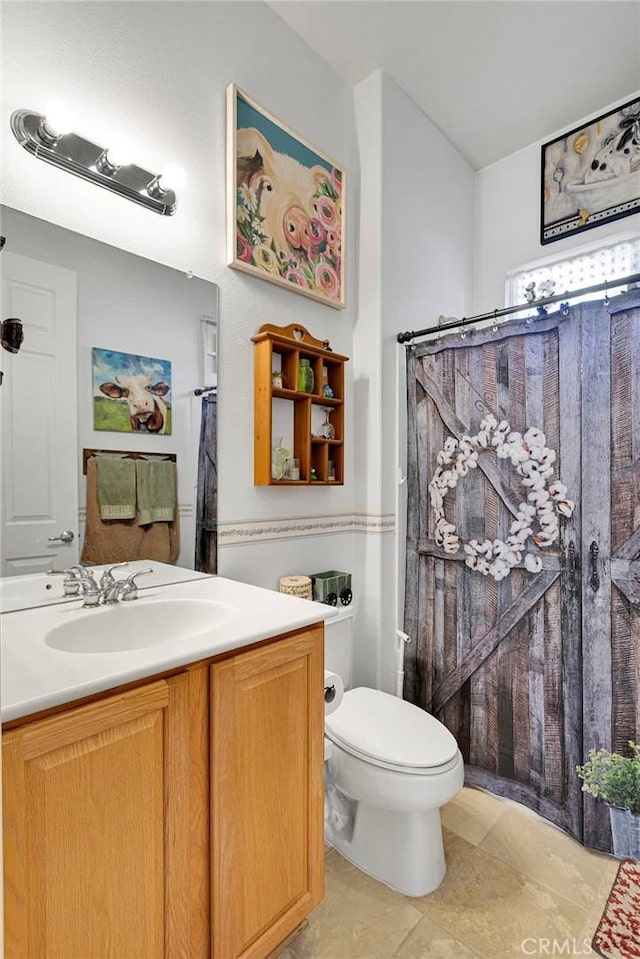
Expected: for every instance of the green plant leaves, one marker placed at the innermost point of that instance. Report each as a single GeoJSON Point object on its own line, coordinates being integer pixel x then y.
{"type": "Point", "coordinates": [613, 778]}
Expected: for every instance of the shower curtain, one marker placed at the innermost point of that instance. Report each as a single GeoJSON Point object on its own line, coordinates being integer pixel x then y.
{"type": "Point", "coordinates": [531, 672]}
{"type": "Point", "coordinates": [206, 558]}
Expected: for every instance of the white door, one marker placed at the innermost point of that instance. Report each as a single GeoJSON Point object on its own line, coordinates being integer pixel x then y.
{"type": "Point", "coordinates": [39, 421]}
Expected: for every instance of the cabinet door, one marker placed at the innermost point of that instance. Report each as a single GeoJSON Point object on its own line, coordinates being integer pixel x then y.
{"type": "Point", "coordinates": [94, 811]}
{"type": "Point", "coordinates": [267, 722]}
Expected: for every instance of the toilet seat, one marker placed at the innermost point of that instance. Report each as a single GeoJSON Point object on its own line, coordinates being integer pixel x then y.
{"type": "Point", "coordinates": [391, 733]}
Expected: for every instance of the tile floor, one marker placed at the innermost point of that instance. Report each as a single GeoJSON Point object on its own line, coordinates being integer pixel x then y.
{"type": "Point", "coordinates": [514, 884]}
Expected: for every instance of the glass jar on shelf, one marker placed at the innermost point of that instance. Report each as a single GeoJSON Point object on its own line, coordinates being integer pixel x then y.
{"type": "Point", "coordinates": [305, 376]}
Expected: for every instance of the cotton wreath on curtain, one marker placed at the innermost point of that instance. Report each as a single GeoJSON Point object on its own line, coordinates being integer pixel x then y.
{"type": "Point", "coordinates": [206, 553]}
{"type": "Point", "coordinates": [534, 666]}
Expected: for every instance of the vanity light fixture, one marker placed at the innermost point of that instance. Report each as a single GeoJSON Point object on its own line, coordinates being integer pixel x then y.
{"type": "Point", "coordinates": [49, 137]}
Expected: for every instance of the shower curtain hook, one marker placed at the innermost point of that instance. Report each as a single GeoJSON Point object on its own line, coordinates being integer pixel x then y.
{"type": "Point", "coordinates": [495, 320]}
{"type": "Point", "coordinates": [463, 332]}
{"type": "Point", "coordinates": [606, 294]}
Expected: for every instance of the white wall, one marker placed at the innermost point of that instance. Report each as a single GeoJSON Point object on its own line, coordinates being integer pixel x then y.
{"type": "Point", "coordinates": [155, 74]}
{"type": "Point", "coordinates": [416, 262]}
{"type": "Point", "coordinates": [507, 221]}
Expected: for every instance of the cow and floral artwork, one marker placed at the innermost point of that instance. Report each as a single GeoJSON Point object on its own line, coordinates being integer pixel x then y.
{"type": "Point", "coordinates": [591, 175]}
{"type": "Point", "coordinates": [285, 205]}
{"type": "Point", "coordinates": [131, 394]}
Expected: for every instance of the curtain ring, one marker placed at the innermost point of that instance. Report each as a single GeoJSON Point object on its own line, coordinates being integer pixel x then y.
{"type": "Point", "coordinates": [606, 294]}
{"type": "Point", "coordinates": [495, 321]}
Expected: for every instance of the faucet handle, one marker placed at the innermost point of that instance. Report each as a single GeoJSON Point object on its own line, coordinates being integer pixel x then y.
{"type": "Point", "coordinates": [108, 579]}
{"type": "Point", "coordinates": [77, 572]}
{"type": "Point", "coordinates": [73, 579]}
{"type": "Point", "coordinates": [90, 590]}
{"type": "Point", "coordinates": [129, 589]}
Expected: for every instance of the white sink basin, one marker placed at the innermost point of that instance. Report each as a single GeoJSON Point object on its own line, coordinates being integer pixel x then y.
{"type": "Point", "coordinates": [137, 624]}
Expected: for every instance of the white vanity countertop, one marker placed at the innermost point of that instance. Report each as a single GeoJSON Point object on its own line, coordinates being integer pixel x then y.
{"type": "Point", "coordinates": [36, 676]}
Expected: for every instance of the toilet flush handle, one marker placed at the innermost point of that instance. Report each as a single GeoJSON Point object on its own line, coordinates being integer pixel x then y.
{"type": "Point", "coordinates": [329, 693]}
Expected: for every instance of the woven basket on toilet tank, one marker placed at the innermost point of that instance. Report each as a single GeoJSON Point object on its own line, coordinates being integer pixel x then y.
{"type": "Point", "coordinates": [296, 586]}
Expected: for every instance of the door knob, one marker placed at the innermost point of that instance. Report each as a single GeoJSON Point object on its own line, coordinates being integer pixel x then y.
{"type": "Point", "coordinates": [66, 536]}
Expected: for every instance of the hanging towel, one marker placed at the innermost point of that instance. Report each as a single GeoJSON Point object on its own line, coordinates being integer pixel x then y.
{"type": "Point", "coordinates": [156, 492]}
{"type": "Point", "coordinates": [117, 541]}
{"type": "Point", "coordinates": [116, 487]}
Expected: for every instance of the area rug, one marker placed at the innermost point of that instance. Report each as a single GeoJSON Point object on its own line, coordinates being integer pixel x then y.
{"type": "Point", "coordinates": [618, 934]}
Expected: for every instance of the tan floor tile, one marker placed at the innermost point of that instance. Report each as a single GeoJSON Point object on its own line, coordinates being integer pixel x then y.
{"type": "Point", "coordinates": [429, 941]}
{"type": "Point", "coordinates": [472, 814]}
{"type": "Point", "coordinates": [359, 918]}
{"type": "Point", "coordinates": [492, 908]}
{"type": "Point", "coordinates": [541, 852]}
{"type": "Point", "coordinates": [515, 886]}
{"type": "Point", "coordinates": [595, 910]}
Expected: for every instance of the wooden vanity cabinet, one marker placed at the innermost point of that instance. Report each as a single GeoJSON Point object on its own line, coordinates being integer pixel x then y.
{"type": "Point", "coordinates": [181, 819]}
{"type": "Point", "coordinates": [267, 736]}
{"type": "Point", "coordinates": [103, 853]}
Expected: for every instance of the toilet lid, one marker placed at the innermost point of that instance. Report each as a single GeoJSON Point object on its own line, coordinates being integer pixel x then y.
{"type": "Point", "coordinates": [390, 730]}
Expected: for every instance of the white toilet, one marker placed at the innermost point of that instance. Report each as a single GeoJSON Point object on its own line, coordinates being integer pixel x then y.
{"type": "Point", "coordinates": [390, 767]}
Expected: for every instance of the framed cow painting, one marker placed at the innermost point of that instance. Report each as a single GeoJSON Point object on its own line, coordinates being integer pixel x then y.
{"type": "Point", "coordinates": [131, 394]}
{"type": "Point", "coordinates": [285, 205]}
{"type": "Point", "coordinates": [591, 175]}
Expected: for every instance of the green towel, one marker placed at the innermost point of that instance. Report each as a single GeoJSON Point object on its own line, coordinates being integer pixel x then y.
{"type": "Point", "coordinates": [116, 487]}
{"type": "Point", "coordinates": [156, 491]}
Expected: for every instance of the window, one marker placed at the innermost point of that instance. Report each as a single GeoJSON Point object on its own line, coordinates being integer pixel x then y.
{"type": "Point", "coordinates": [208, 351]}
{"type": "Point", "coordinates": [585, 267]}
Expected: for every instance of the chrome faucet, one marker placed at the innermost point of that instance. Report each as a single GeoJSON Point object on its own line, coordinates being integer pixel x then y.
{"type": "Point", "coordinates": [108, 580]}
{"type": "Point", "coordinates": [110, 590]}
{"type": "Point", "coordinates": [73, 579]}
{"type": "Point", "coordinates": [90, 591]}
{"type": "Point", "coordinates": [127, 589]}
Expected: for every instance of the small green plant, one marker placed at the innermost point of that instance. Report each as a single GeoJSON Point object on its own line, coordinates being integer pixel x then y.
{"type": "Point", "coordinates": [613, 778]}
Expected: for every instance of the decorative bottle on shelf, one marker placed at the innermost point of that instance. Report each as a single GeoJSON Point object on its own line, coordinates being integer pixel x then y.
{"type": "Point", "coordinates": [327, 430]}
{"type": "Point", "coordinates": [279, 462]}
{"type": "Point", "coordinates": [305, 377]}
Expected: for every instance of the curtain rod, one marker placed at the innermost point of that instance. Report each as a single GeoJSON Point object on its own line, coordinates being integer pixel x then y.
{"type": "Point", "coordinates": [507, 310]}
{"type": "Point", "coordinates": [205, 389]}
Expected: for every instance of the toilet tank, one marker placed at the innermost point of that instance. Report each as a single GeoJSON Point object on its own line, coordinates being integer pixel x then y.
{"type": "Point", "coordinates": [338, 644]}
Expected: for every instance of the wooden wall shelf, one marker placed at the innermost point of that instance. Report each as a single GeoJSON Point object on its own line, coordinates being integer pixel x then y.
{"type": "Point", "coordinates": [282, 348]}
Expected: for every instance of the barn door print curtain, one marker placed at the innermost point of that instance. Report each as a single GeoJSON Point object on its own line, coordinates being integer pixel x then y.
{"type": "Point", "coordinates": [206, 551]}
{"type": "Point", "coordinates": [531, 672]}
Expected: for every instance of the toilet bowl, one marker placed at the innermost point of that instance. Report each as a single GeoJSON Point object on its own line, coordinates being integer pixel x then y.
{"type": "Point", "coordinates": [389, 768]}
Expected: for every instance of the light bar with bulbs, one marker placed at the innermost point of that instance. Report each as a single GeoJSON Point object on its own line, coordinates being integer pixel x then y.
{"type": "Point", "coordinates": [46, 138]}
